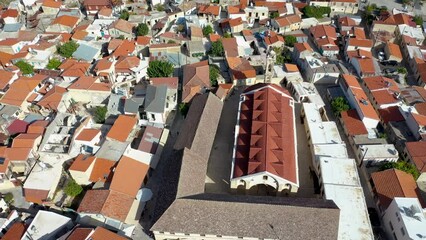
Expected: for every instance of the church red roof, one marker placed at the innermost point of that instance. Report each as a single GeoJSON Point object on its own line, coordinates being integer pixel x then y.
{"type": "Point", "coordinates": [266, 139]}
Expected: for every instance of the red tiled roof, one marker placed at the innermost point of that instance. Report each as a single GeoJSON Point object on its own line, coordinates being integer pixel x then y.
{"type": "Point", "coordinates": [303, 47]}
{"type": "Point", "coordinates": [5, 78]}
{"type": "Point", "coordinates": [17, 126]}
{"type": "Point", "coordinates": [52, 3]}
{"type": "Point", "coordinates": [80, 233]}
{"type": "Point", "coordinates": [37, 126]}
{"type": "Point", "coordinates": [66, 20]}
{"type": "Point", "coordinates": [393, 183]}
{"type": "Point", "coordinates": [122, 128]}
{"type": "Point", "coordinates": [150, 139]}
{"type": "Point", "coordinates": [126, 48]}
{"type": "Point", "coordinates": [240, 68]}
{"type": "Point", "coordinates": [195, 76]}
{"type": "Point", "coordinates": [16, 231]}
{"type": "Point", "coordinates": [171, 82]}
{"type": "Point", "coordinates": [13, 13]}
{"type": "Point", "coordinates": [129, 176]}
{"type": "Point", "coordinates": [323, 31]}
{"type": "Point", "coordinates": [101, 233]}
{"type": "Point", "coordinates": [35, 195]}
{"type": "Point", "coordinates": [209, 9]}
{"type": "Point", "coordinates": [82, 163]}
{"type": "Point", "coordinates": [87, 134]}
{"type": "Point", "coordinates": [90, 84]}
{"type": "Point", "coordinates": [117, 205]}
{"type": "Point", "coordinates": [102, 170]}
{"type": "Point", "coordinates": [143, 40]}
{"type": "Point", "coordinates": [391, 114]}
{"type": "Point", "coordinates": [266, 140]}
{"type": "Point", "coordinates": [417, 152]}
{"type": "Point", "coordinates": [53, 98]}
{"type": "Point", "coordinates": [353, 123]}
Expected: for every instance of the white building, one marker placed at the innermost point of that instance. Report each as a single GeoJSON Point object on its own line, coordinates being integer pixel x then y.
{"type": "Point", "coordinates": [316, 71]}
{"type": "Point", "coordinates": [404, 219]}
{"type": "Point", "coordinates": [47, 225]}
{"type": "Point", "coordinates": [340, 182]}
{"type": "Point", "coordinates": [376, 154]}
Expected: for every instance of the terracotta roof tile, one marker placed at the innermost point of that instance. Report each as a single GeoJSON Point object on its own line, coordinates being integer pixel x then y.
{"type": "Point", "coordinates": [353, 123]}
{"type": "Point", "coordinates": [360, 42]}
{"type": "Point", "coordinates": [101, 233]}
{"type": "Point", "coordinates": [37, 126]}
{"type": "Point", "coordinates": [105, 11]}
{"type": "Point", "coordinates": [35, 196]}
{"type": "Point", "coordinates": [5, 78]}
{"type": "Point", "coordinates": [122, 128]}
{"type": "Point", "coordinates": [53, 98]}
{"type": "Point", "coordinates": [323, 31]}
{"type": "Point", "coordinates": [380, 82]}
{"type": "Point", "coordinates": [93, 201]}
{"type": "Point", "coordinates": [80, 233]}
{"type": "Point", "coordinates": [171, 82]}
{"type": "Point", "coordinates": [66, 20]}
{"type": "Point", "coordinates": [129, 176]}
{"type": "Point", "coordinates": [209, 9]}
{"type": "Point", "coordinates": [394, 50]}
{"type": "Point", "coordinates": [25, 140]}
{"type": "Point", "coordinates": [126, 48]}
{"type": "Point", "coordinates": [417, 152]}
{"type": "Point", "coordinates": [273, 150]}
{"type": "Point", "coordinates": [90, 84]}
{"type": "Point", "coordinates": [240, 68]}
{"type": "Point", "coordinates": [195, 76]}
{"type": "Point", "coordinates": [16, 231]}
{"type": "Point", "coordinates": [13, 13]}
{"type": "Point", "coordinates": [82, 163]}
{"type": "Point", "coordinates": [17, 126]}
{"type": "Point", "coordinates": [391, 114]}
{"type": "Point", "coordinates": [102, 170]}
{"type": "Point", "coordinates": [117, 205]}
{"type": "Point", "coordinates": [88, 134]}
{"type": "Point", "coordinates": [52, 4]}
{"type": "Point", "coordinates": [122, 25]}
{"type": "Point", "coordinates": [393, 183]}
{"type": "Point", "coordinates": [143, 40]}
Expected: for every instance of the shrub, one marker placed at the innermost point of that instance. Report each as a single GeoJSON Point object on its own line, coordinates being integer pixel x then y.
{"type": "Point", "coordinates": [142, 29]}
{"type": "Point", "coordinates": [316, 12]}
{"type": "Point", "coordinates": [100, 114]}
{"type": "Point", "coordinates": [183, 108]}
{"type": "Point", "coordinates": [339, 105]}
{"type": "Point", "coordinates": [214, 75]}
{"type": "Point", "coordinates": [403, 166]}
{"type": "Point", "coordinates": [207, 30]}
{"type": "Point", "coordinates": [53, 64]}
{"type": "Point", "coordinates": [8, 198]}
{"type": "Point", "coordinates": [217, 49]}
{"type": "Point", "coordinates": [67, 49]}
{"type": "Point", "coordinates": [124, 15]}
{"type": "Point", "coordinates": [25, 67]}
{"type": "Point", "coordinates": [158, 68]}
{"type": "Point", "coordinates": [290, 41]}
{"type": "Point", "coordinates": [72, 189]}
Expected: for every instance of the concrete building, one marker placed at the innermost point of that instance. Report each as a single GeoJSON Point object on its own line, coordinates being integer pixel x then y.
{"type": "Point", "coordinates": [404, 219]}
{"type": "Point", "coordinates": [316, 71]}
{"type": "Point", "coordinates": [265, 150]}
{"type": "Point", "coordinates": [376, 155]}
{"type": "Point", "coordinates": [359, 101]}
{"type": "Point", "coordinates": [47, 225]}
{"type": "Point", "coordinates": [340, 182]}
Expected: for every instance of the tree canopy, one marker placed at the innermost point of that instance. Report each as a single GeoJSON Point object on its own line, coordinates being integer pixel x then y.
{"type": "Point", "coordinates": [159, 68]}
{"type": "Point", "coordinates": [124, 15]}
{"type": "Point", "coordinates": [25, 67]}
{"type": "Point", "coordinates": [72, 189]}
{"type": "Point", "coordinates": [207, 30]}
{"type": "Point", "coordinates": [53, 64]}
{"type": "Point", "coordinates": [274, 15]}
{"type": "Point", "coordinates": [283, 55]}
{"type": "Point", "coordinates": [290, 40]}
{"type": "Point", "coordinates": [227, 35]}
{"type": "Point", "coordinates": [217, 49]}
{"type": "Point", "coordinates": [100, 114]}
{"type": "Point", "coordinates": [142, 29]}
{"type": "Point", "coordinates": [316, 12]}
{"type": "Point", "coordinates": [418, 20]}
{"type": "Point", "coordinates": [339, 105]}
{"type": "Point", "coordinates": [214, 75]}
{"type": "Point", "coordinates": [67, 49]}
{"type": "Point", "coordinates": [403, 166]}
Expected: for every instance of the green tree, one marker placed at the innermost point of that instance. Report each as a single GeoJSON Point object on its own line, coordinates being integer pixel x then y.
{"type": "Point", "coordinates": [170, 42]}
{"type": "Point", "coordinates": [227, 35]}
{"type": "Point", "coordinates": [53, 64]}
{"type": "Point", "coordinates": [8, 198]}
{"type": "Point", "coordinates": [142, 29]}
{"type": "Point", "coordinates": [25, 67]}
{"type": "Point", "coordinates": [183, 108]}
{"type": "Point", "coordinates": [159, 7]}
{"type": "Point", "coordinates": [214, 75]}
{"type": "Point", "coordinates": [290, 41]}
{"type": "Point", "coordinates": [316, 12]}
{"type": "Point", "coordinates": [217, 49]}
{"type": "Point", "coordinates": [339, 105]}
{"type": "Point", "coordinates": [274, 15]}
{"type": "Point", "coordinates": [418, 20]}
{"type": "Point", "coordinates": [401, 70]}
{"type": "Point", "coordinates": [72, 189]}
{"type": "Point", "coordinates": [159, 68]}
{"type": "Point", "coordinates": [67, 49]}
{"type": "Point", "coordinates": [283, 55]}
{"type": "Point", "coordinates": [100, 114]}
{"type": "Point", "coordinates": [368, 15]}
{"type": "Point", "coordinates": [124, 15]}
{"type": "Point", "coordinates": [403, 166]}
{"type": "Point", "coordinates": [207, 30]}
